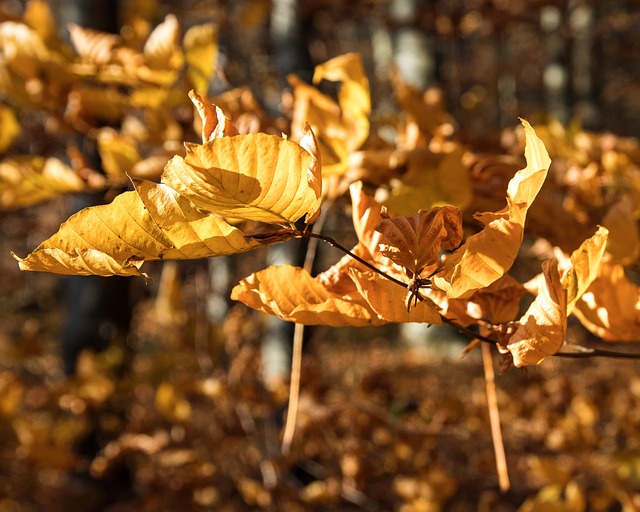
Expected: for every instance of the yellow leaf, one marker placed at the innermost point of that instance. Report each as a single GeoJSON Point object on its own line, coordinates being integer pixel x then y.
{"type": "Point", "coordinates": [38, 16]}
{"type": "Point", "coordinates": [9, 127]}
{"type": "Point", "coordinates": [353, 98]}
{"type": "Point", "coordinates": [200, 49]}
{"type": "Point", "coordinates": [214, 124]}
{"type": "Point", "coordinates": [93, 46]}
{"type": "Point", "coordinates": [151, 223]}
{"type": "Point", "coordinates": [28, 180]}
{"type": "Point", "coordinates": [624, 239]}
{"type": "Point", "coordinates": [541, 330]}
{"type": "Point", "coordinates": [256, 177]}
{"type": "Point", "coordinates": [432, 179]}
{"type": "Point", "coordinates": [162, 49]}
{"type": "Point", "coordinates": [118, 155]}
{"type": "Point", "coordinates": [416, 242]}
{"type": "Point", "coordinates": [389, 300]}
{"type": "Point", "coordinates": [324, 116]}
{"type": "Point", "coordinates": [585, 264]}
{"type": "Point", "coordinates": [610, 308]}
{"type": "Point", "coordinates": [22, 49]}
{"type": "Point", "coordinates": [292, 294]}
{"type": "Point", "coordinates": [489, 254]}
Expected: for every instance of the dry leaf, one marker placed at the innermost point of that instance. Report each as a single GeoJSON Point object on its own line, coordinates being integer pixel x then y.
{"type": "Point", "coordinates": [256, 177]}
{"type": "Point", "coordinates": [118, 155]}
{"type": "Point", "coordinates": [93, 46]}
{"type": "Point", "coordinates": [28, 180]}
{"type": "Point", "coordinates": [489, 254]}
{"type": "Point", "coordinates": [541, 330]}
{"type": "Point", "coordinates": [585, 264]}
{"type": "Point", "coordinates": [151, 223]}
{"type": "Point", "coordinates": [162, 50]}
{"type": "Point", "coordinates": [610, 308]}
{"type": "Point", "coordinates": [9, 127]}
{"type": "Point", "coordinates": [624, 239]}
{"type": "Point", "coordinates": [389, 300]}
{"type": "Point", "coordinates": [292, 294]}
{"type": "Point", "coordinates": [200, 51]}
{"type": "Point", "coordinates": [213, 123]}
{"type": "Point", "coordinates": [416, 242]}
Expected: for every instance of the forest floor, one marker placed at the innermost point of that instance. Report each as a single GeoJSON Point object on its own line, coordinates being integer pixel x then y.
{"type": "Point", "coordinates": [164, 421]}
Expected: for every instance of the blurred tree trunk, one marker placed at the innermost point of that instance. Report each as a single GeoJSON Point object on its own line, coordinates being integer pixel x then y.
{"type": "Point", "coordinates": [97, 309]}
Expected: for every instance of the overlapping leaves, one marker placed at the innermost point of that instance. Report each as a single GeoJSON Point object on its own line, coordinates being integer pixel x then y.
{"type": "Point", "coordinates": [157, 221]}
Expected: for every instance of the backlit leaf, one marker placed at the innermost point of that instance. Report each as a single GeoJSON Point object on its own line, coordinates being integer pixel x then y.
{"type": "Point", "coordinates": [585, 265]}
{"type": "Point", "coordinates": [213, 123]}
{"type": "Point", "coordinates": [487, 255]}
{"type": "Point", "coordinates": [542, 329]}
{"type": "Point", "coordinates": [151, 223]}
{"type": "Point", "coordinates": [389, 300]}
{"type": "Point", "coordinates": [118, 155]}
{"type": "Point", "coordinates": [624, 240]}
{"type": "Point", "coordinates": [162, 50]}
{"type": "Point", "coordinates": [416, 242]}
{"type": "Point", "coordinates": [256, 176]}
{"type": "Point", "coordinates": [292, 294]}
{"type": "Point", "coordinates": [610, 308]}
{"type": "Point", "coordinates": [200, 50]}
{"type": "Point", "coordinates": [9, 127]}
{"type": "Point", "coordinates": [28, 180]}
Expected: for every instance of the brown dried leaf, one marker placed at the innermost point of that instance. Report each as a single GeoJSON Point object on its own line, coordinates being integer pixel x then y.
{"type": "Point", "coordinates": [542, 329]}
{"type": "Point", "coordinates": [416, 242]}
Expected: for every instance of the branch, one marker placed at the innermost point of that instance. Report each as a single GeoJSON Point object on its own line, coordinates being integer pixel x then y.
{"type": "Point", "coordinates": [333, 243]}
{"type": "Point", "coordinates": [581, 353]}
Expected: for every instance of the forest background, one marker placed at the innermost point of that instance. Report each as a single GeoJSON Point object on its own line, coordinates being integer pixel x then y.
{"type": "Point", "coordinates": [178, 412]}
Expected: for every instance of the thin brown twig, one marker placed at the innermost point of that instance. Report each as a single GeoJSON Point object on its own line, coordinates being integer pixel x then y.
{"type": "Point", "coordinates": [494, 418]}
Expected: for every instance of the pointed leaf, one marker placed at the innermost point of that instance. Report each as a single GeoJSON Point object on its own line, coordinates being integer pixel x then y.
{"type": "Point", "coordinates": [200, 49]}
{"type": "Point", "coordinates": [291, 293]}
{"type": "Point", "coordinates": [353, 98]}
{"type": "Point", "coordinates": [162, 50]}
{"type": "Point", "coordinates": [542, 329]}
{"type": "Point", "coordinates": [213, 121]}
{"type": "Point", "coordinates": [93, 46]}
{"type": "Point", "coordinates": [9, 127]}
{"type": "Point", "coordinates": [151, 223]}
{"type": "Point", "coordinates": [610, 308]}
{"type": "Point", "coordinates": [489, 254]}
{"type": "Point", "coordinates": [256, 176]}
{"type": "Point", "coordinates": [585, 265]}
{"type": "Point", "coordinates": [624, 238]}
{"type": "Point", "coordinates": [416, 242]}
{"type": "Point", "coordinates": [28, 180]}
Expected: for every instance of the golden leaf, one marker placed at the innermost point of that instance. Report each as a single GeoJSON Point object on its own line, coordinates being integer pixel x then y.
{"type": "Point", "coordinates": [214, 124]}
{"type": "Point", "coordinates": [291, 293]}
{"type": "Point", "coordinates": [624, 239]}
{"type": "Point", "coordinates": [432, 179]}
{"type": "Point", "coordinates": [93, 46]}
{"type": "Point", "coordinates": [151, 223]}
{"type": "Point", "coordinates": [610, 308]}
{"type": "Point", "coordinates": [489, 254]}
{"type": "Point", "coordinates": [22, 49]}
{"type": "Point", "coordinates": [200, 51]}
{"type": "Point", "coordinates": [256, 177]}
{"type": "Point", "coordinates": [9, 127]}
{"type": "Point", "coordinates": [416, 242]}
{"type": "Point", "coordinates": [28, 180]}
{"type": "Point", "coordinates": [585, 264]}
{"type": "Point", "coordinates": [541, 330]}
{"type": "Point", "coordinates": [118, 155]}
{"type": "Point", "coordinates": [162, 48]}
{"type": "Point", "coordinates": [353, 97]}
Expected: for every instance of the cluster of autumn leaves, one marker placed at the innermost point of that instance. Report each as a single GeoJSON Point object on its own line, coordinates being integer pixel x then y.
{"type": "Point", "coordinates": [237, 191]}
